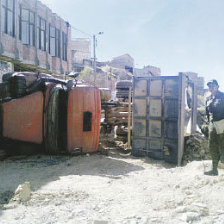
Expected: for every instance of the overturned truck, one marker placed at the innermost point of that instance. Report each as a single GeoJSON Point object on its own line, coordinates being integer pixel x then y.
{"type": "Point", "coordinates": [56, 115]}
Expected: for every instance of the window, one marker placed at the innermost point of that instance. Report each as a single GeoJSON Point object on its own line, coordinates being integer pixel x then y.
{"type": "Point", "coordinates": [19, 21]}
{"type": "Point", "coordinates": [26, 26]}
{"type": "Point", "coordinates": [7, 18]}
{"type": "Point", "coordinates": [31, 28]}
{"type": "Point", "coordinates": [58, 43]}
{"type": "Point", "coordinates": [54, 43]}
{"type": "Point", "coordinates": [87, 121]}
{"type": "Point", "coordinates": [3, 18]}
{"type": "Point", "coordinates": [41, 34]}
{"type": "Point", "coordinates": [64, 46]}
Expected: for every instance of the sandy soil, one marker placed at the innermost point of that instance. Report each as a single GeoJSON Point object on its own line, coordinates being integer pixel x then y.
{"type": "Point", "coordinates": [110, 189]}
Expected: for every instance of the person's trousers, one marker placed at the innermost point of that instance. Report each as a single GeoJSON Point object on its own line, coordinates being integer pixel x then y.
{"type": "Point", "coordinates": [216, 146]}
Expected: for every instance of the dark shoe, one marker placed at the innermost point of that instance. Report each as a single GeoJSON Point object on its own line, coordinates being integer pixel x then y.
{"type": "Point", "coordinates": [211, 173]}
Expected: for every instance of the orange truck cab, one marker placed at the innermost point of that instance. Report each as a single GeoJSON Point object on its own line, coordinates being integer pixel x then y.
{"type": "Point", "coordinates": [63, 120]}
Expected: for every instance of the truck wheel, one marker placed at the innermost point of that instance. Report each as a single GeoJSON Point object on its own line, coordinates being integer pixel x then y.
{"type": "Point", "coordinates": [52, 133]}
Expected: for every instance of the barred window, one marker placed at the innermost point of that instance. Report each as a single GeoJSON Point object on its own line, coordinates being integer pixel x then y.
{"type": "Point", "coordinates": [8, 17]}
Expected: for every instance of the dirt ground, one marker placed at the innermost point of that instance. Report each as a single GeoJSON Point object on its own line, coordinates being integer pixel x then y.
{"type": "Point", "coordinates": [113, 188]}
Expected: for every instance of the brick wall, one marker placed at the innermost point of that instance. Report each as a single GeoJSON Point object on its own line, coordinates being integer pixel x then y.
{"type": "Point", "coordinates": [31, 54]}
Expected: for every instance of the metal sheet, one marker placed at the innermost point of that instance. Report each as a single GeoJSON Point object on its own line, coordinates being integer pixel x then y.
{"type": "Point", "coordinates": [171, 129]}
{"type": "Point", "coordinates": [155, 144]}
{"type": "Point", "coordinates": [155, 128]}
{"type": "Point", "coordinates": [156, 87]}
{"type": "Point", "coordinates": [155, 108]}
{"type": "Point", "coordinates": [171, 87]}
{"type": "Point", "coordinates": [140, 107]}
{"type": "Point", "coordinates": [171, 108]}
{"type": "Point", "coordinates": [140, 88]}
{"type": "Point", "coordinates": [139, 127]}
{"type": "Point", "coordinates": [140, 144]}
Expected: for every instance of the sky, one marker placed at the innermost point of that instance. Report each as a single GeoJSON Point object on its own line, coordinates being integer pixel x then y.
{"type": "Point", "coordinates": [174, 35]}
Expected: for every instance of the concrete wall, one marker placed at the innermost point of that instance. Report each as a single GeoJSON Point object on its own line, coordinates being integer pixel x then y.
{"type": "Point", "coordinates": [80, 50]}
{"type": "Point", "coordinates": [14, 48]}
{"type": "Point", "coordinates": [122, 61]}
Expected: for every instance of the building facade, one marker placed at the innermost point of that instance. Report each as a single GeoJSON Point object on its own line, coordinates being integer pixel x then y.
{"type": "Point", "coordinates": [81, 50]}
{"type": "Point", "coordinates": [81, 53]}
{"type": "Point", "coordinates": [148, 71]}
{"type": "Point", "coordinates": [122, 61]}
{"type": "Point", "coordinates": [32, 34]}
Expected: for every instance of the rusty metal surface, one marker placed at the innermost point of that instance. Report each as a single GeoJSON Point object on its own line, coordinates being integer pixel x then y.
{"type": "Point", "coordinates": [157, 103]}
{"type": "Point", "coordinates": [81, 100]}
{"type": "Point", "coordinates": [23, 118]}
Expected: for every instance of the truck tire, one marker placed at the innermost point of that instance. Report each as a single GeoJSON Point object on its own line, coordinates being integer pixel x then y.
{"type": "Point", "coordinates": [52, 132]}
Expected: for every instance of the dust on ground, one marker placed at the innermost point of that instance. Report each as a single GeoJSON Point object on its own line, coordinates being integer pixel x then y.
{"type": "Point", "coordinates": [110, 188]}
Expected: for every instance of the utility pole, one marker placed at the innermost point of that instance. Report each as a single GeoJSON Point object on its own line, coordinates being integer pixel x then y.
{"type": "Point", "coordinates": [94, 58]}
{"type": "Point", "coordinates": [94, 55]}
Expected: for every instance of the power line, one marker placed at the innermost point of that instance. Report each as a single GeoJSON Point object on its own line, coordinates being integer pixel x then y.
{"type": "Point", "coordinates": [74, 28]}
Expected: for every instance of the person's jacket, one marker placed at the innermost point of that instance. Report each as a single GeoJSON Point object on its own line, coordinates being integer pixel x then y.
{"type": "Point", "coordinates": [215, 107]}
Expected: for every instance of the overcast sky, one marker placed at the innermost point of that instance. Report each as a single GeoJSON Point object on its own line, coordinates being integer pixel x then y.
{"type": "Point", "coordinates": [175, 35]}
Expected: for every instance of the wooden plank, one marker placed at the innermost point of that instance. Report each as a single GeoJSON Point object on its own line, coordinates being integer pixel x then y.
{"type": "Point", "coordinates": [114, 103]}
{"type": "Point", "coordinates": [117, 109]}
{"type": "Point", "coordinates": [115, 121]}
{"type": "Point", "coordinates": [129, 118]}
{"type": "Point", "coordinates": [117, 114]}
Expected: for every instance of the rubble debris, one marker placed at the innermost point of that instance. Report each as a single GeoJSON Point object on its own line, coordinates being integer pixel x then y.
{"type": "Point", "coordinates": [196, 147]}
{"type": "Point", "coordinates": [105, 94]}
{"type": "Point", "coordinates": [122, 89]}
{"type": "Point", "coordinates": [116, 120]}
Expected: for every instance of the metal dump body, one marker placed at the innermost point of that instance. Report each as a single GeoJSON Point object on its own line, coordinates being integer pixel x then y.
{"type": "Point", "coordinates": [158, 117]}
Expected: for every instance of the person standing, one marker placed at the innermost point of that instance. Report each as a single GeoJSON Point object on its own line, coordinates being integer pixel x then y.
{"type": "Point", "coordinates": [215, 116]}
